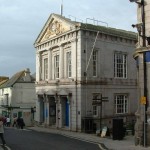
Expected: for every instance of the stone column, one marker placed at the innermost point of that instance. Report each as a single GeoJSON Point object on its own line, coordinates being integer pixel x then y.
{"type": "Point", "coordinates": [47, 121]}
{"type": "Point", "coordinates": [57, 108]}
{"type": "Point", "coordinates": [45, 109]}
{"type": "Point", "coordinates": [37, 116]}
{"type": "Point", "coordinates": [49, 64]}
{"type": "Point", "coordinates": [61, 62]}
{"type": "Point", "coordinates": [73, 58]}
{"type": "Point", "coordinates": [59, 112]}
{"type": "Point", "coordinates": [38, 66]}
{"type": "Point", "coordinates": [69, 102]}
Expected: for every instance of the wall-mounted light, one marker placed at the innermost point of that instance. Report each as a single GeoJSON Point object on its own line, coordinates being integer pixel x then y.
{"type": "Point", "coordinates": [138, 26]}
{"type": "Point", "coordinates": [136, 1]}
{"type": "Point", "coordinates": [148, 40]}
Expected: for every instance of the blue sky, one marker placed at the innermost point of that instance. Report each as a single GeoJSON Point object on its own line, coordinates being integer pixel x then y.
{"type": "Point", "coordinates": [22, 20]}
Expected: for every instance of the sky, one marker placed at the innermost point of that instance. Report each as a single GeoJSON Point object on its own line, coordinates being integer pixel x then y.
{"type": "Point", "coordinates": [22, 20]}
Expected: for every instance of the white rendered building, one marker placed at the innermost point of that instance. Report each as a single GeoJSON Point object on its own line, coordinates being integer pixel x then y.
{"type": "Point", "coordinates": [17, 96]}
{"type": "Point", "coordinates": [77, 63]}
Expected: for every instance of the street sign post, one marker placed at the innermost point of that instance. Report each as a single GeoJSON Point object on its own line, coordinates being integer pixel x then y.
{"type": "Point", "coordinates": [98, 102]}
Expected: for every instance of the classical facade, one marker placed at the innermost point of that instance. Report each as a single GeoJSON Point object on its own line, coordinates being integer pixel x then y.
{"type": "Point", "coordinates": [76, 65]}
{"type": "Point", "coordinates": [142, 56]}
{"type": "Point", "coordinates": [17, 96]}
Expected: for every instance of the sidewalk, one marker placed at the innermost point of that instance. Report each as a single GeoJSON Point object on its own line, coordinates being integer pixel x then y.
{"type": "Point", "coordinates": [4, 148]}
{"type": "Point", "coordinates": [107, 144]}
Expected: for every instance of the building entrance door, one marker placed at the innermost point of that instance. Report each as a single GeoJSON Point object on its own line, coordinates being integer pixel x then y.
{"type": "Point", "coordinates": [65, 112]}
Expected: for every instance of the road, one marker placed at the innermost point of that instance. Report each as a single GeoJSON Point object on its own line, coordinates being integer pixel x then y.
{"type": "Point", "coordinates": [32, 140]}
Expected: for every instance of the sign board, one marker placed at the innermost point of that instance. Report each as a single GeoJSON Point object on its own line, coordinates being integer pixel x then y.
{"type": "Point", "coordinates": [148, 121]}
{"type": "Point", "coordinates": [143, 100]}
{"type": "Point", "coordinates": [98, 103]}
{"type": "Point", "coordinates": [104, 130]}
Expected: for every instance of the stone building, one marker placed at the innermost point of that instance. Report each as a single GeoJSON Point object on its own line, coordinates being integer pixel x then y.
{"type": "Point", "coordinates": [142, 57]}
{"type": "Point", "coordinates": [17, 96]}
{"type": "Point", "coordinates": [77, 64]}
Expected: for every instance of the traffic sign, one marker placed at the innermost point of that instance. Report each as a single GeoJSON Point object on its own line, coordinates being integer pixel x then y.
{"type": "Point", "coordinates": [143, 100]}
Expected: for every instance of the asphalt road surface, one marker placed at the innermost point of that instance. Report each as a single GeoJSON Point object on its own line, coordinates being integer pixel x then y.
{"type": "Point", "coordinates": [18, 139]}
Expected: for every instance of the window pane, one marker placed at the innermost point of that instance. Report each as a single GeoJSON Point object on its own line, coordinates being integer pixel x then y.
{"type": "Point", "coordinates": [121, 104]}
{"type": "Point", "coordinates": [94, 63]}
{"type": "Point", "coordinates": [45, 68]}
{"type": "Point", "coordinates": [56, 66]}
{"type": "Point", "coordinates": [120, 65]}
{"type": "Point", "coordinates": [69, 67]}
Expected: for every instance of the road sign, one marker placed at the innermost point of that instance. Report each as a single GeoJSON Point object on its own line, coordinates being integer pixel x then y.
{"type": "Point", "coordinates": [98, 103]}
{"type": "Point", "coordinates": [143, 100]}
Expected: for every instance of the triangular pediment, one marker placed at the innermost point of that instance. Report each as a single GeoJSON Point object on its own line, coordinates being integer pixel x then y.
{"type": "Point", "coordinates": [55, 25]}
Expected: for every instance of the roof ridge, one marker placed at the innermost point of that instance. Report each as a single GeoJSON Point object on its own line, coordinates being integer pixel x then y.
{"type": "Point", "coordinates": [13, 79]}
{"type": "Point", "coordinates": [109, 30]}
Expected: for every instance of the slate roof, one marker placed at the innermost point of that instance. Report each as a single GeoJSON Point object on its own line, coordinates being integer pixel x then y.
{"type": "Point", "coordinates": [12, 80]}
{"type": "Point", "coordinates": [86, 26]}
{"type": "Point", "coordinates": [102, 29]}
{"type": "Point", "coordinates": [110, 31]}
{"type": "Point", "coordinates": [3, 81]}
{"type": "Point", "coordinates": [16, 78]}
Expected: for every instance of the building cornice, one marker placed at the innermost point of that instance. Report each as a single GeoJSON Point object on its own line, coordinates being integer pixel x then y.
{"type": "Point", "coordinates": [140, 50]}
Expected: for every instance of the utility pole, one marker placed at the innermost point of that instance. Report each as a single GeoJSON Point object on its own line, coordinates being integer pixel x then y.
{"type": "Point", "coordinates": [143, 51]}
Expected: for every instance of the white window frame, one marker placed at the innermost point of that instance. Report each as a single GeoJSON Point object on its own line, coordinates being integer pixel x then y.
{"type": "Point", "coordinates": [45, 68]}
{"type": "Point", "coordinates": [121, 103]}
{"type": "Point", "coordinates": [94, 64]}
{"type": "Point", "coordinates": [120, 65]}
{"type": "Point", "coordinates": [56, 66]}
{"type": "Point", "coordinates": [68, 64]}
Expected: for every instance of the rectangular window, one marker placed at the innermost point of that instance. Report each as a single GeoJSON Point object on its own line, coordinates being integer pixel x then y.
{"type": "Point", "coordinates": [121, 104]}
{"type": "Point", "coordinates": [69, 69]}
{"type": "Point", "coordinates": [120, 65]}
{"type": "Point", "coordinates": [94, 110]}
{"type": "Point", "coordinates": [45, 68]}
{"type": "Point", "coordinates": [56, 66]}
{"type": "Point", "coordinates": [94, 63]}
{"type": "Point", "coordinates": [96, 99]}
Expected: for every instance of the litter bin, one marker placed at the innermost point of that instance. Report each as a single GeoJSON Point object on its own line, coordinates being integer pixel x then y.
{"type": "Point", "coordinates": [118, 129]}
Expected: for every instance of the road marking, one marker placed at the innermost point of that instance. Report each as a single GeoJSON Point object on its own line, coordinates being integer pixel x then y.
{"type": "Point", "coordinates": [101, 148]}
{"type": "Point", "coordinates": [5, 147]}
{"type": "Point", "coordinates": [22, 129]}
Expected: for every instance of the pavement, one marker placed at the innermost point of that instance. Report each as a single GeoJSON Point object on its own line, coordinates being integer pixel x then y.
{"type": "Point", "coordinates": [105, 143]}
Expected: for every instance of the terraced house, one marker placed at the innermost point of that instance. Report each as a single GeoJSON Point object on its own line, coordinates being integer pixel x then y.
{"type": "Point", "coordinates": [76, 65]}
{"type": "Point", "coordinates": [17, 96]}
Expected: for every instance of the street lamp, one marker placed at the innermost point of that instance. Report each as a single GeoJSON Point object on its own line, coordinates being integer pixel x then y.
{"type": "Point", "coordinates": [136, 1]}
{"type": "Point", "coordinates": [141, 29]}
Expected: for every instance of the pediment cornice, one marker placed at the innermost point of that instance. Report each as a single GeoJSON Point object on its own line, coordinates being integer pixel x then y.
{"type": "Point", "coordinates": [55, 26]}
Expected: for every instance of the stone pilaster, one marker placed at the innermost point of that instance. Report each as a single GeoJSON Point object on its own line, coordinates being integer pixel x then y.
{"type": "Point", "coordinates": [49, 64]}
{"type": "Point", "coordinates": [61, 62]}
{"type": "Point", "coordinates": [38, 66]}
